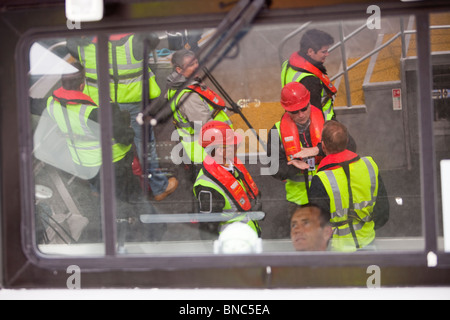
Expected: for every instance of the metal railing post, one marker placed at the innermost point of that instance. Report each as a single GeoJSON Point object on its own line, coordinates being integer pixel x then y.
{"type": "Point", "coordinates": [402, 35]}
{"type": "Point", "coordinates": [344, 64]}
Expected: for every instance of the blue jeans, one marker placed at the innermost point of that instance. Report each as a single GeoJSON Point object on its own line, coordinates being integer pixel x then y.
{"type": "Point", "coordinates": [158, 181]}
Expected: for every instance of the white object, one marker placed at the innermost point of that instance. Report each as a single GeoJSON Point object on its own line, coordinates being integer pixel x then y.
{"type": "Point", "coordinates": [45, 62]}
{"type": "Point", "coordinates": [432, 260]}
{"type": "Point", "coordinates": [238, 238]}
{"type": "Point", "coordinates": [43, 192]}
{"type": "Point", "coordinates": [84, 10]}
{"type": "Point", "coordinates": [140, 118]}
{"type": "Point", "coordinates": [445, 188]}
{"type": "Point", "coordinates": [397, 99]}
{"type": "Point", "coordinates": [197, 217]}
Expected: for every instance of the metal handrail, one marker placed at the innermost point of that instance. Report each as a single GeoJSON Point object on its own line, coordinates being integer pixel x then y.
{"type": "Point", "coordinates": [431, 28]}
{"type": "Point", "coordinates": [351, 35]}
{"type": "Point", "coordinates": [289, 36]}
{"type": "Point", "coordinates": [368, 55]}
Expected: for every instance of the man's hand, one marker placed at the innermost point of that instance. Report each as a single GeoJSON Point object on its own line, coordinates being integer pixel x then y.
{"type": "Point", "coordinates": [307, 153]}
{"type": "Point", "coordinates": [302, 165]}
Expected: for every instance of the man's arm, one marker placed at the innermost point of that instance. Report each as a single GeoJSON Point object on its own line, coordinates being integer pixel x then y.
{"type": "Point", "coordinates": [138, 44]}
{"type": "Point", "coordinates": [381, 209]}
{"type": "Point", "coordinates": [194, 108]}
{"type": "Point", "coordinates": [314, 86]}
{"type": "Point", "coordinates": [285, 171]}
{"type": "Point", "coordinates": [122, 131]}
{"type": "Point", "coordinates": [318, 194]}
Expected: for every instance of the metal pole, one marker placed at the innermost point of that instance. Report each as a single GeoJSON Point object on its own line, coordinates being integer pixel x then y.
{"type": "Point", "coordinates": [146, 126]}
{"type": "Point", "coordinates": [234, 105]}
{"type": "Point", "coordinates": [344, 64]}
{"type": "Point", "coordinates": [402, 32]}
{"type": "Point", "coordinates": [426, 135]}
{"type": "Point", "coordinates": [108, 182]}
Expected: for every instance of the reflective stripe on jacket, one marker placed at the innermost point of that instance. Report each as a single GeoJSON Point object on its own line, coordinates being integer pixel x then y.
{"type": "Point", "coordinates": [240, 195]}
{"type": "Point", "coordinates": [289, 74]}
{"type": "Point", "coordinates": [84, 144]}
{"type": "Point", "coordinates": [187, 130]}
{"type": "Point", "coordinates": [125, 80]}
{"type": "Point", "coordinates": [353, 227]}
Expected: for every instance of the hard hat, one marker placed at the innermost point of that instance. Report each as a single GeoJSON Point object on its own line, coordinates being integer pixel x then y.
{"type": "Point", "coordinates": [294, 96]}
{"type": "Point", "coordinates": [238, 238]}
{"type": "Point", "coordinates": [218, 133]}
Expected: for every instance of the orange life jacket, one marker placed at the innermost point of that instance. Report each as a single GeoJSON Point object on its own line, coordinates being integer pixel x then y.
{"type": "Point", "coordinates": [231, 185]}
{"type": "Point", "coordinates": [291, 138]}
{"type": "Point", "coordinates": [210, 96]}
{"type": "Point", "coordinates": [297, 62]}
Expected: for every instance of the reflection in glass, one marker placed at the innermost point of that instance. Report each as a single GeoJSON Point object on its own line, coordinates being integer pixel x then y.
{"type": "Point", "coordinates": [440, 36]}
{"type": "Point", "coordinates": [67, 151]}
{"type": "Point", "coordinates": [157, 210]}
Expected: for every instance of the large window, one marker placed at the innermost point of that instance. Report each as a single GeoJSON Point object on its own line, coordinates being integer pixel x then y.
{"type": "Point", "coordinates": [106, 184]}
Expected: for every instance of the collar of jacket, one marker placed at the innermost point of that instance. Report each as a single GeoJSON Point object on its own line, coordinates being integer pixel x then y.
{"type": "Point", "coordinates": [72, 97]}
{"type": "Point", "coordinates": [318, 65]}
{"type": "Point", "coordinates": [176, 81]}
{"type": "Point", "coordinates": [334, 161]}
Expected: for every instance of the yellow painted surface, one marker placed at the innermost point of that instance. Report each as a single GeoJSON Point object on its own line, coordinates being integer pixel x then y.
{"type": "Point", "coordinates": [356, 80]}
{"type": "Point", "coordinates": [262, 118]}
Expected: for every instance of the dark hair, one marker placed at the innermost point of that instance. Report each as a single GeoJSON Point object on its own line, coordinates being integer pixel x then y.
{"type": "Point", "coordinates": [324, 216]}
{"type": "Point", "coordinates": [73, 81]}
{"type": "Point", "coordinates": [179, 56]}
{"type": "Point", "coordinates": [335, 136]}
{"type": "Point", "coordinates": [315, 39]}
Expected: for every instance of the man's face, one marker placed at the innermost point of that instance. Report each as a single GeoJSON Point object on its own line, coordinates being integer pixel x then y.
{"type": "Point", "coordinates": [319, 56]}
{"type": "Point", "coordinates": [190, 66]}
{"type": "Point", "coordinates": [226, 153]}
{"type": "Point", "coordinates": [306, 232]}
{"type": "Point", "coordinates": [301, 116]}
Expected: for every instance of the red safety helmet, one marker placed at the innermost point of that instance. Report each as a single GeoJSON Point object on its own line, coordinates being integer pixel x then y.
{"type": "Point", "coordinates": [294, 96]}
{"type": "Point", "coordinates": [218, 133]}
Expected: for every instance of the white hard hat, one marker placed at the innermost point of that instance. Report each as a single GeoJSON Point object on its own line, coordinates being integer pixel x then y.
{"type": "Point", "coordinates": [238, 238]}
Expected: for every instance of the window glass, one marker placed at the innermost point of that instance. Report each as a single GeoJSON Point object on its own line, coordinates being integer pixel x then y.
{"type": "Point", "coordinates": [66, 152]}
{"type": "Point", "coordinates": [174, 197]}
{"type": "Point", "coordinates": [441, 102]}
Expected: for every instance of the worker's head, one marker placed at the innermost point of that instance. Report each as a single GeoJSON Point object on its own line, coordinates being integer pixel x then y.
{"type": "Point", "coordinates": [74, 81]}
{"type": "Point", "coordinates": [315, 44]}
{"type": "Point", "coordinates": [334, 137]}
{"type": "Point", "coordinates": [310, 228]}
{"type": "Point", "coordinates": [220, 141]}
{"type": "Point", "coordinates": [185, 62]}
{"type": "Point", "coordinates": [295, 99]}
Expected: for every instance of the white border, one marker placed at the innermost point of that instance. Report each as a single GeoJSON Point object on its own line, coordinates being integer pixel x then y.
{"type": "Point", "coordinates": [445, 183]}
